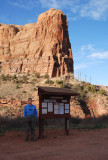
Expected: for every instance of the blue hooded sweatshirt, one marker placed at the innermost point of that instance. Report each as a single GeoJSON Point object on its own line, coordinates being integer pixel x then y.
{"type": "Point", "coordinates": [30, 110]}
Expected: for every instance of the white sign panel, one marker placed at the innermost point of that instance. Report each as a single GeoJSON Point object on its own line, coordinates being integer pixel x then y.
{"type": "Point", "coordinates": [66, 111]}
{"type": "Point", "coordinates": [56, 111]}
{"type": "Point", "coordinates": [46, 100]}
{"type": "Point", "coordinates": [56, 106]}
{"type": "Point", "coordinates": [64, 100]}
{"type": "Point", "coordinates": [66, 106]}
{"type": "Point", "coordinates": [61, 109]}
{"type": "Point", "coordinates": [61, 104]}
{"type": "Point", "coordinates": [44, 111]}
{"type": "Point", "coordinates": [50, 107]}
{"type": "Point", "coordinates": [44, 105]}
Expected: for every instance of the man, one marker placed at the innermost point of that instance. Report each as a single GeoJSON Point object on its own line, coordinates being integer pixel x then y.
{"type": "Point", "coordinates": [30, 113]}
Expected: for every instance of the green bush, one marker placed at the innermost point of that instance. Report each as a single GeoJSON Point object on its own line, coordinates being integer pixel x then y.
{"type": "Point", "coordinates": [3, 77]}
{"type": "Point", "coordinates": [48, 81]}
{"type": "Point", "coordinates": [90, 88]}
{"type": "Point", "coordinates": [28, 74]}
{"type": "Point", "coordinates": [46, 76]}
{"type": "Point", "coordinates": [34, 80]}
{"type": "Point", "coordinates": [37, 75]}
{"type": "Point", "coordinates": [84, 91]}
{"type": "Point", "coordinates": [59, 81]}
{"type": "Point", "coordinates": [14, 77]}
{"type": "Point", "coordinates": [102, 92]}
{"type": "Point", "coordinates": [25, 78]}
{"type": "Point", "coordinates": [24, 92]}
{"type": "Point", "coordinates": [78, 86]}
{"type": "Point", "coordinates": [17, 86]}
{"type": "Point", "coordinates": [62, 85]}
{"type": "Point", "coordinates": [34, 89]}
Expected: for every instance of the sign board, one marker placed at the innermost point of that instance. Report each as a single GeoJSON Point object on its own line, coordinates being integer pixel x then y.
{"type": "Point", "coordinates": [54, 107]}
{"type": "Point", "coordinates": [54, 103]}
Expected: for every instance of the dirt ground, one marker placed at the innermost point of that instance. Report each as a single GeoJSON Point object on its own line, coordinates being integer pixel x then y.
{"type": "Point", "coordinates": [79, 145]}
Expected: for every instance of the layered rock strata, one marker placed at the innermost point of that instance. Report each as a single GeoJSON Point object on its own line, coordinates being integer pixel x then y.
{"type": "Point", "coordinates": [43, 47]}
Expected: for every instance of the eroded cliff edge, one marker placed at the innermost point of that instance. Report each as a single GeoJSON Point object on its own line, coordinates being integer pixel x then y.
{"type": "Point", "coordinates": [43, 47]}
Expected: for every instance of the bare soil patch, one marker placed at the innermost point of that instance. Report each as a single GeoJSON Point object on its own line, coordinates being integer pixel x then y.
{"type": "Point", "coordinates": [79, 145]}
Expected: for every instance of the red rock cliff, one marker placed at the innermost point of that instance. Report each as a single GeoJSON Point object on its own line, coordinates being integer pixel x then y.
{"type": "Point", "coordinates": [43, 47]}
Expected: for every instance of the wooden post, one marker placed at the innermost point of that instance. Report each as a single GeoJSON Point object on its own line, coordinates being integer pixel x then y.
{"type": "Point", "coordinates": [41, 128]}
{"type": "Point", "coordinates": [67, 126]}
{"type": "Point", "coordinates": [41, 121]}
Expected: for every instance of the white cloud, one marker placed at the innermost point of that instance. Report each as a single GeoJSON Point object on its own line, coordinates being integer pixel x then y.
{"type": "Point", "coordinates": [100, 55]}
{"type": "Point", "coordinates": [24, 3]}
{"type": "Point", "coordinates": [49, 3]}
{"type": "Point", "coordinates": [92, 52]}
{"type": "Point", "coordinates": [86, 48]}
{"type": "Point", "coordinates": [95, 9]}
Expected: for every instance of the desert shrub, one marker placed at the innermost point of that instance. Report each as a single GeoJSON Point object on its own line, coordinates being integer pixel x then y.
{"type": "Point", "coordinates": [17, 86]}
{"type": "Point", "coordinates": [25, 78]}
{"type": "Point", "coordinates": [87, 87]}
{"type": "Point", "coordinates": [2, 77]}
{"type": "Point", "coordinates": [28, 74]}
{"type": "Point", "coordinates": [48, 81]}
{"type": "Point", "coordinates": [102, 92]}
{"type": "Point", "coordinates": [62, 85]}
{"type": "Point", "coordinates": [34, 89]}
{"type": "Point", "coordinates": [14, 77]}
{"type": "Point", "coordinates": [84, 91]}
{"type": "Point", "coordinates": [37, 75]}
{"type": "Point", "coordinates": [90, 88]}
{"type": "Point", "coordinates": [59, 81]}
{"type": "Point", "coordinates": [24, 92]}
{"type": "Point", "coordinates": [34, 80]}
{"type": "Point", "coordinates": [5, 77]}
{"type": "Point", "coordinates": [78, 87]}
{"type": "Point", "coordinates": [46, 76]}
{"type": "Point", "coordinates": [107, 98]}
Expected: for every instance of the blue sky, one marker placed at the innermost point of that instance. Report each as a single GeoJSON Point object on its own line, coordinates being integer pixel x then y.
{"type": "Point", "coordinates": [88, 31]}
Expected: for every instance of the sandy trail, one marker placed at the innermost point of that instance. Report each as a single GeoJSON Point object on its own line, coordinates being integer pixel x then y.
{"type": "Point", "coordinates": [79, 145]}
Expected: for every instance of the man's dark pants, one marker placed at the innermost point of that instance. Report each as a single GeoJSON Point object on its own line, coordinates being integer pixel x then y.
{"type": "Point", "coordinates": [30, 126]}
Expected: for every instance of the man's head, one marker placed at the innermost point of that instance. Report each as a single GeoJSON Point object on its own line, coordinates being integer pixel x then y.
{"type": "Point", "coordinates": [30, 101]}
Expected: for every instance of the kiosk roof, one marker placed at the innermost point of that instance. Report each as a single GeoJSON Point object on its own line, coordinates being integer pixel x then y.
{"type": "Point", "coordinates": [55, 91]}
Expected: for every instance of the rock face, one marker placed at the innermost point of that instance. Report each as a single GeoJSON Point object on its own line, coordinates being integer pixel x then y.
{"type": "Point", "coordinates": [43, 47]}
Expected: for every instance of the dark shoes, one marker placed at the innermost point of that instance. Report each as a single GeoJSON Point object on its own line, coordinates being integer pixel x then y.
{"type": "Point", "coordinates": [32, 139]}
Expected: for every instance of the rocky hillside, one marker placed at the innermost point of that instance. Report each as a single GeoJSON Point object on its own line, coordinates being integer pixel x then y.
{"type": "Point", "coordinates": [15, 90]}
{"type": "Point", "coordinates": [42, 48]}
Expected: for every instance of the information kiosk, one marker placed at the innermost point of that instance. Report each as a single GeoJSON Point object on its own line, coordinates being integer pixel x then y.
{"type": "Point", "coordinates": [54, 103]}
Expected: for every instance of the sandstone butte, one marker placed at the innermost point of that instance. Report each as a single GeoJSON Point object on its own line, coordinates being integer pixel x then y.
{"type": "Point", "coordinates": [41, 47]}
